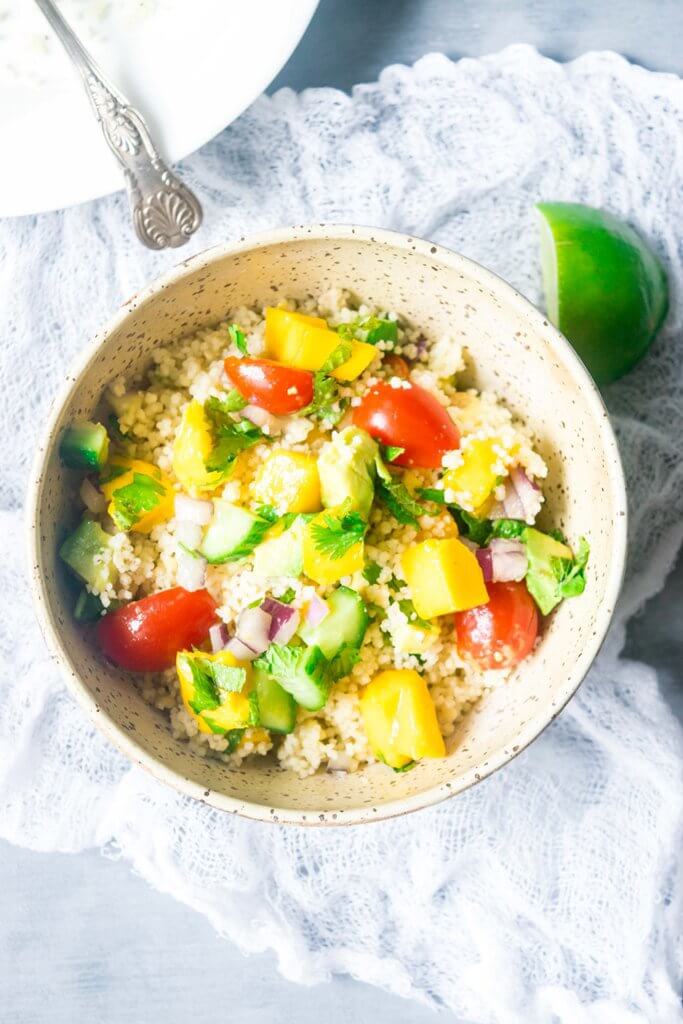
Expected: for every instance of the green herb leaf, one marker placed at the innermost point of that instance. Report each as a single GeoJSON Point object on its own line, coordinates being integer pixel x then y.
{"type": "Point", "coordinates": [233, 736]}
{"type": "Point", "coordinates": [131, 502]}
{"type": "Point", "coordinates": [399, 501]}
{"type": "Point", "coordinates": [341, 354]}
{"type": "Point", "coordinates": [476, 530]}
{"type": "Point", "coordinates": [204, 691]}
{"type": "Point", "coordinates": [280, 660]}
{"type": "Point", "coordinates": [336, 535]}
{"type": "Point", "coordinates": [326, 404]}
{"type": "Point", "coordinates": [268, 513]}
{"type": "Point", "coordinates": [114, 429]}
{"type": "Point", "coordinates": [370, 329]}
{"type": "Point", "coordinates": [88, 607]}
{"type": "Point", "coordinates": [432, 494]}
{"type": "Point", "coordinates": [572, 580]}
{"type": "Point", "coordinates": [408, 609]}
{"type": "Point", "coordinates": [288, 596]}
{"type": "Point", "coordinates": [246, 548]}
{"type": "Point", "coordinates": [372, 571]}
{"type": "Point", "coordinates": [391, 452]}
{"type": "Point", "coordinates": [510, 529]}
{"type": "Point", "coordinates": [238, 339]}
{"type": "Point", "coordinates": [233, 401]}
{"type": "Point", "coordinates": [395, 585]}
{"type": "Point", "coordinates": [230, 437]}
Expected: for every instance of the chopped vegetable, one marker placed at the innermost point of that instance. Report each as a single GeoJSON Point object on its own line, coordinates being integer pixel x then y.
{"type": "Point", "coordinates": [283, 553]}
{"type": "Point", "coordinates": [400, 718]}
{"type": "Point", "coordinates": [88, 607]}
{"type": "Point", "coordinates": [140, 499]}
{"type": "Point", "coordinates": [393, 493]}
{"type": "Point", "coordinates": [346, 466]}
{"type": "Point", "coordinates": [146, 635]}
{"type": "Point", "coordinates": [85, 446]}
{"type": "Point", "coordinates": [343, 626]}
{"type": "Point", "coordinates": [288, 481]}
{"type": "Point", "coordinates": [278, 389]}
{"type": "Point", "coordinates": [229, 437]}
{"type": "Point", "coordinates": [554, 572]}
{"type": "Point", "coordinates": [500, 633]}
{"type": "Point", "coordinates": [238, 339]}
{"type": "Point", "coordinates": [503, 560]}
{"type": "Point", "coordinates": [371, 329]}
{"type": "Point", "coordinates": [87, 552]}
{"type": "Point", "coordinates": [277, 708]}
{"type": "Point", "coordinates": [302, 671]}
{"type": "Point", "coordinates": [443, 576]}
{"type": "Point", "coordinates": [326, 404]}
{"type": "Point", "coordinates": [233, 533]}
{"type": "Point", "coordinates": [407, 417]}
{"type": "Point", "coordinates": [306, 343]}
{"type": "Point", "coordinates": [284, 620]}
{"type": "Point", "coordinates": [342, 545]}
{"type": "Point", "coordinates": [191, 449]}
{"type": "Point", "coordinates": [217, 691]}
{"type": "Point", "coordinates": [371, 572]}
{"type": "Point", "coordinates": [475, 478]}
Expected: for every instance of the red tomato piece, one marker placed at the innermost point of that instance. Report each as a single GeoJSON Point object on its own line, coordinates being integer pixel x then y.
{"type": "Point", "coordinates": [278, 389]}
{"type": "Point", "coordinates": [501, 633]}
{"type": "Point", "coordinates": [146, 635]}
{"type": "Point", "coordinates": [408, 417]}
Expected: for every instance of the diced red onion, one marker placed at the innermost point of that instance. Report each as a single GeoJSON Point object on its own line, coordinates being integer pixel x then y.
{"type": "Point", "coordinates": [191, 574]}
{"type": "Point", "coordinates": [522, 500]}
{"type": "Point", "coordinates": [268, 423]}
{"type": "Point", "coordinates": [485, 563]}
{"type": "Point", "coordinates": [193, 510]}
{"type": "Point", "coordinates": [509, 559]}
{"type": "Point", "coordinates": [93, 499]}
{"type": "Point", "coordinates": [316, 608]}
{"type": "Point", "coordinates": [502, 561]}
{"type": "Point", "coordinates": [240, 650]}
{"type": "Point", "coordinates": [218, 635]}
{"type": "Point", "coordinates": [253, 629]}
{"type": "Point", "coordinates": [284, 620]}
{"type": "Point", "coordinates": [187, 534]}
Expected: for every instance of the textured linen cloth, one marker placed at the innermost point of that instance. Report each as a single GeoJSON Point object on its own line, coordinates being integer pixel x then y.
{"type": "Point", "coordinates": [552, 891]}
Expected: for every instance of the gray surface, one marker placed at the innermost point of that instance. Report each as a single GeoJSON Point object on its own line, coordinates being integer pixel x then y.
{"type": "Point", "coordinates": [80, 937]}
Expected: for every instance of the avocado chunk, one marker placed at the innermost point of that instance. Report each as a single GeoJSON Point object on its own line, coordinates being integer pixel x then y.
{"type": "Point", "coordinates": [282, 555]}
{"type": "Point", "coordinates": [554, 572]}
{"type": "Point", "coordinates": [346, 467]}
{"type": "Point", "coordinates": [85, 552]}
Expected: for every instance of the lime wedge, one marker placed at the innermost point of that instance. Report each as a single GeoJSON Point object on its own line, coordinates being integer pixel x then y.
{"type": "Point", "coordinates": [605, 289]}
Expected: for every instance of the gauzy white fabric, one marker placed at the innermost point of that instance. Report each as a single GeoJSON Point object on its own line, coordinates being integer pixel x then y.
{"type": "Point", "coordinates": [552, 891]}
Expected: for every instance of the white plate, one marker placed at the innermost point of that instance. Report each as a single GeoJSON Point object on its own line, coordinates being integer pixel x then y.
{"type": "Point", "coordinates": [191, 66]}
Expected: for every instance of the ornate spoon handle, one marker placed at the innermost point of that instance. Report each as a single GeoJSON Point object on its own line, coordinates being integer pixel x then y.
{"type": "Point", "coordinates": [165, 212]}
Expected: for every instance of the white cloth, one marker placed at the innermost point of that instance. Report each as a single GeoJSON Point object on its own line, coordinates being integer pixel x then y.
{"type": "Point", "coordinates": [552, 891]}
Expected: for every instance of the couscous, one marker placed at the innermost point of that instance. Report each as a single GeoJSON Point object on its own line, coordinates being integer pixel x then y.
{"type": "Point", "coordinates": [303, 537]}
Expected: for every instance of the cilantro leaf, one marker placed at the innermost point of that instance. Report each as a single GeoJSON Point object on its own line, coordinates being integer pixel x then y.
{"type": "Point", "coordinates": [204, 693]}
{"type": "Point", "coordinates": [233, 401]}
{"type": "Point", "coordinates": [372, 571]}
{"type": "Point", "coordinates": [510, 529]}
{"type": "Point", "coordinates": [338, 356]}
{"type": "Point", "coordinates": [111, 473]}
{"type": "Point", "coordinates": [237, 337]}
{"type": "Point", "coordinates": [476, 530]}
{"type": "Point", "coordinates": [133, 500]}
{"type": "Point", "coordinates": [287, 597]}
{"type": "Point", "coordinates": [268, 513]}
{"type": "Point", "coordinates": [573, 575]}
{"type": "Point", "coordinates": [432, 494]}
{"type": "Point", "coordinates": [230, 437]}
{"type": "Point", "coordinates": [337, 534]}
{"type": "Point", "coordinates": [326, 404]}
{"type": "Point", "coordinates": [396, 496]}
{"type": "Point", "coordinates": [391, 452]}
{"type": "Point", "coordinates": [370, 329]}
{"type": "Point", "coordinates": [408, 609]}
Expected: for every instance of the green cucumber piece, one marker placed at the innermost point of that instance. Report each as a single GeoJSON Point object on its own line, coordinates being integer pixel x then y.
{"type": "Point", "coordinates": [301, 671]}
{"type": "Point", "coordinates": [84, 446]}
{"type": "Point", "coordinates": [80, 550]}
{"type": "Point", "coordinates": [232, 534]}
{"type": "Point", "coordinates": [277, 707]}
{"type": "Point", "coordinates": [345, 625]}
{"type": "Point", "coordinates": [88, 607]}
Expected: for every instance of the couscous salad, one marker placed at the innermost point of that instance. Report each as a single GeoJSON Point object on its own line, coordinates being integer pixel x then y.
{"type": "Point", "coordinates": [302, 536]}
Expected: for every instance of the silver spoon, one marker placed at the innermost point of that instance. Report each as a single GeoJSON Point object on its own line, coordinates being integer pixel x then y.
{"type": "Point", "coordinates": [165, 212]}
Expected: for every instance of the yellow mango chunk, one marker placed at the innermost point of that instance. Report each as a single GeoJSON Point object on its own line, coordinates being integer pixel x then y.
{"type": "Point", "coordinates": [473, 481]}
{"type": "Point", "coordinates": [139, 498]}
{"type": "Point", "coordinates": [320, 566]}
{"type": "Point", "coordinates": [400, 719]}
{"type": "Point", "coordinates": [235, 711]}
{"type": "Point", "coordinates": [444, 576]}
{"type": "Point", "coordinates": [191, 449]}
{"type": "Point", "coordinates": [289, 482]}
{"type": "Point", "coordinates": [306, 343]}
{"type": "Point", "coordinates": [416, 639]}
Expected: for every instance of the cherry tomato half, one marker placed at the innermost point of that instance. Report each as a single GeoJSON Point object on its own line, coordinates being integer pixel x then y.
{"type": "Point", "coordinates": [501, 633]}
{"type": "Point", "coordinates": [146, 635]}
{"type": "Point", "coordinates": [410, 418]}
{"type": "Point", "coordinates": [278, 389]}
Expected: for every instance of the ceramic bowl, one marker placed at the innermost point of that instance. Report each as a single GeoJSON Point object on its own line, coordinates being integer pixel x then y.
{"type": "Point", "coordinates": [514, 351]}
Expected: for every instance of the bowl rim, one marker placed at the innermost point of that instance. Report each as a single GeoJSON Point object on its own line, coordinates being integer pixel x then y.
{"type": "Point", "coordinates": [531, 730]}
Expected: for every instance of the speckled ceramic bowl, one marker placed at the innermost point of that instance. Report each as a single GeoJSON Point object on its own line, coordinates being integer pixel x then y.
{"type": "Point", "coordinates": [514, 352]}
